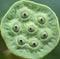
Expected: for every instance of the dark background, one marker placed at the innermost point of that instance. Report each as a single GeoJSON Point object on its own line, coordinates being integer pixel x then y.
{"type": "Point", "coordinates": [54, 4]}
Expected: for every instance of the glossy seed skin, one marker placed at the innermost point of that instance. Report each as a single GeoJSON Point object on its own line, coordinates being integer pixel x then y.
{"type": "Point", "coordinates": [30, 30]}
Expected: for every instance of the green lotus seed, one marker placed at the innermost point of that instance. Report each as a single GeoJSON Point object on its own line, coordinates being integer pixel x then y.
{"type": "Point", "coordinates": [20, 41]}
{"type": "Point", "coordinates": [24, 15]}
{"type": "Point", "coordinates": [33, 28]}
{"type": "Point", "coordinates": [16, 28]}
{"type": "Point", "coordinates": [30, 29]}
{"type": "Point", "coordinates": [41, 20]}
{"type": "Point", "coordinates": [33, 44]}
{"type": "Point", "coordinates": [44, 35]}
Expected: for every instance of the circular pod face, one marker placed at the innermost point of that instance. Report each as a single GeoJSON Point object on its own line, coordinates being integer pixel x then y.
{"type": "Point", "coordinates": [30, 30]}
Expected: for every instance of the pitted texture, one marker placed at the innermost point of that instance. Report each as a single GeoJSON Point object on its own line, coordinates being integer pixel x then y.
{"type": "Point", "coordinates": [30, 30]}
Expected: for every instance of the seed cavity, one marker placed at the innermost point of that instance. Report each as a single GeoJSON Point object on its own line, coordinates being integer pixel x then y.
{"type": "Point", "coordinates": [41, 20]}
{"type": "Point", "coordinates": [21, 41]}
{"type": "Point", "coordinates": [44, 35]}
{"type": "Point", "coordinates": [33, 44]}
{"type": "Point", "coordinates": [31, 29]}
{"type": "Point", "coordinates": [24, 15]}
{"type": "Point", "coordinates": [16, 28]}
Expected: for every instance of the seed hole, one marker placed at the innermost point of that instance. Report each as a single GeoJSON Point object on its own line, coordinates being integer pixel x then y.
{"type": "Point", "coordinates": [24, 15]}
{"type": "Point", "coordinates": [44, 35]}
{"type": "Point", "coordinates": [21, 42]}
{"type": "Point", "coordinates": [16, 28]}
{"type": "Point", "coordinates": [31, 29]}
{"type": "Point", "coordinates": [41, 20]}
{"type": "Point", "coordinates": [33, 44]}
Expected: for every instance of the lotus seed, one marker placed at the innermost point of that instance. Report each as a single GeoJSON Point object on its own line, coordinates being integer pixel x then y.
{"type": "Point", "coordinates": [21, 41]}
{"type": "Point", "coordinates": [41, 20]}
{"type": "Point", "coordinates": [30, 29]}
{"type": "Point", "coordinates": [16, 28]}
{"type": "Point", "coordinates": [33, 44]}
{"type": "Point", "coordinates": [44, 35]}
{"type": "Point", "coordinates": [24, 15]}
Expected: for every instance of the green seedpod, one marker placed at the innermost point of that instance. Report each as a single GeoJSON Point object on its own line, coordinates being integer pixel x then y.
{"type": "Point", "coordinates": [30, 30]}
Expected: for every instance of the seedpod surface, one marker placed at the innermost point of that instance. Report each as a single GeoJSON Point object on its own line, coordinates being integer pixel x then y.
{"type": "Point", "coordinates": [30, 30]}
